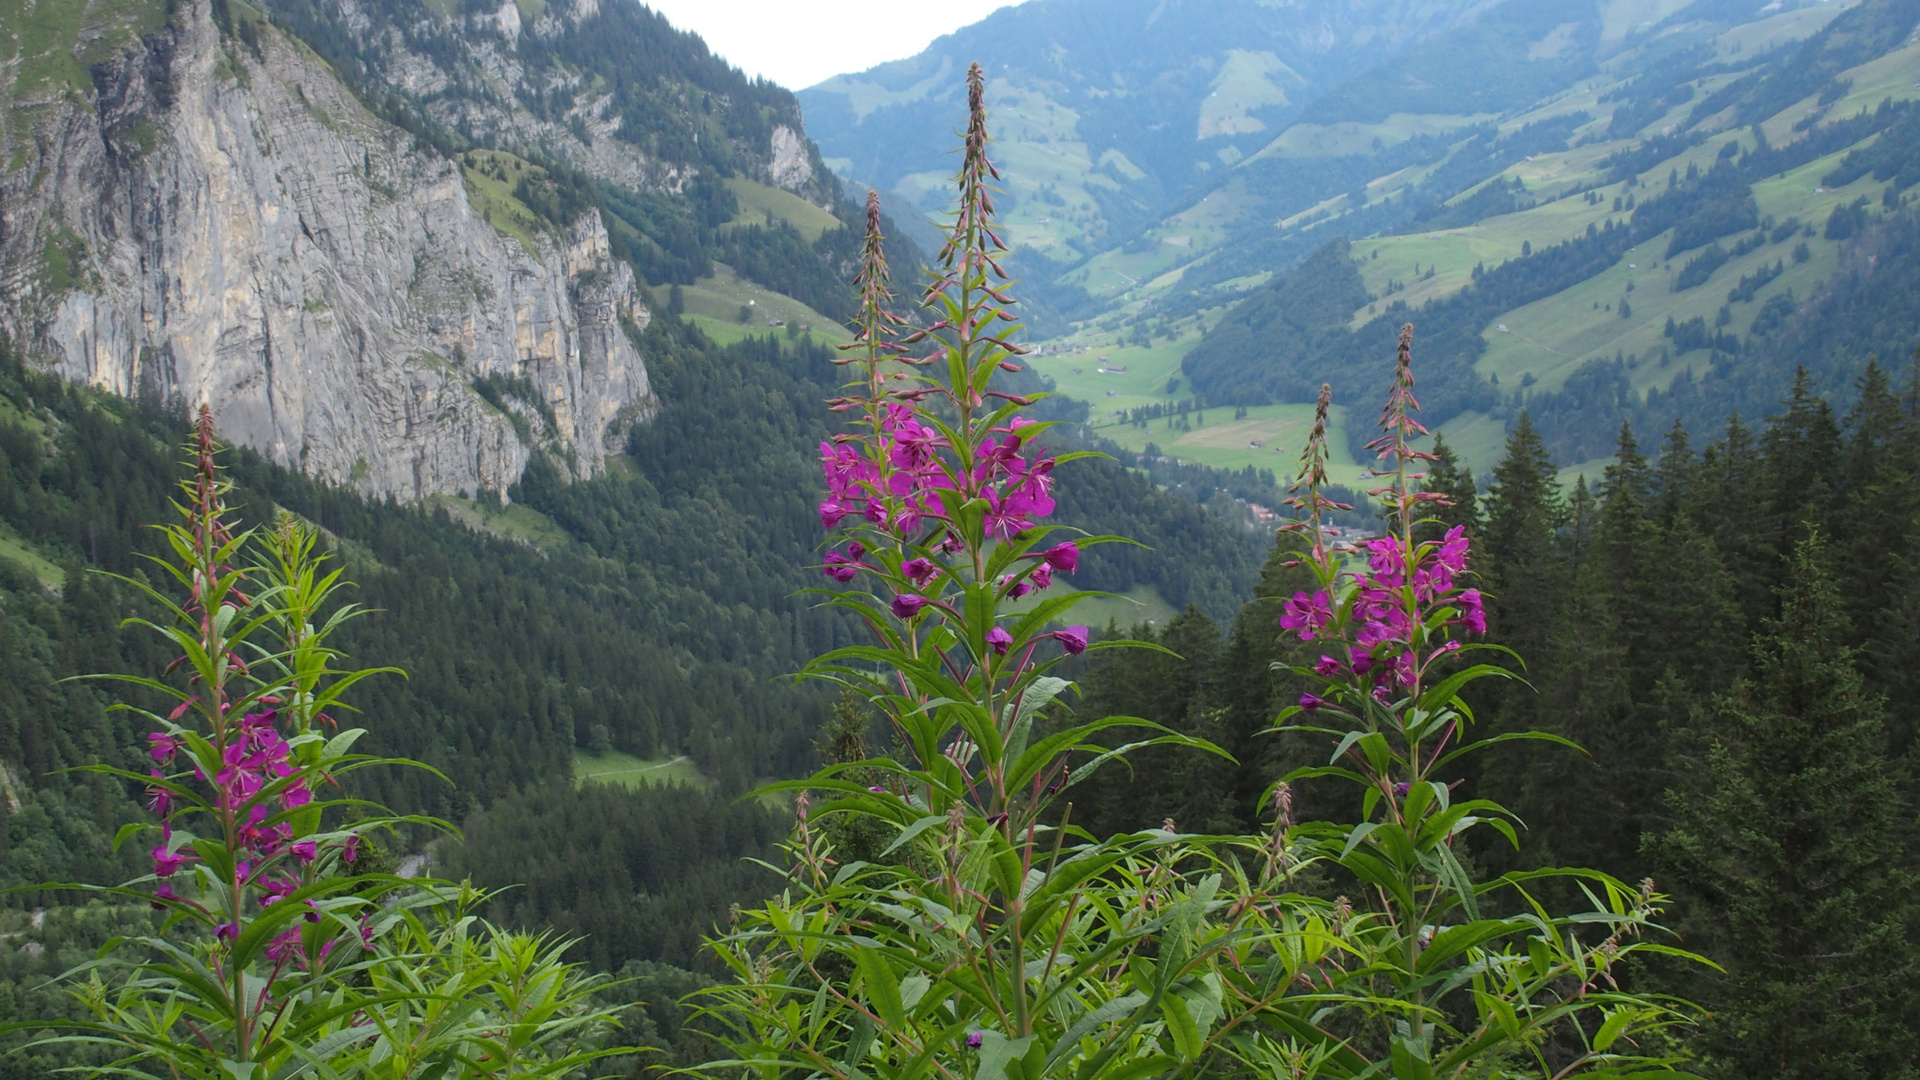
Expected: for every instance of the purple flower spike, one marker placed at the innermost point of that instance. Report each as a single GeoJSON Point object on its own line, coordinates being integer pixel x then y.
{"type": "Point", "coordinates": [974, 1039]}
{"type": "Point", "coordinates": [1310, 703]}
{"type": "Point", "coordinates": [1065, 557]}
{"type": "Point", "coordinates": [1327, 668]}
{"type": "Point", "coordinates": [1000, 640]}
{"type": "Point", "coordinates": [305, 850]}
{"type": "Point", "coordinates": [1402, 788]}
{"type": "Point", "coordinates": [918, 571]}
{"type": "Point", "coordinates": [908, 605]}
{"type": "Point", "coordinates": [1073, 639]}
{"type": "Point", "coordinates": [227, 931]}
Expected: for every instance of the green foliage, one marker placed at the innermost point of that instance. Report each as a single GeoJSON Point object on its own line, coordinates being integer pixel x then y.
{"type": "Point", "coordinates": [1790, 836]}
{"type": "Point", "coordinates": [642, 874]}
{"type": "Point", "coordinates": [276, 953]}
{"type": "Point", "coordinates": [1290, 326]}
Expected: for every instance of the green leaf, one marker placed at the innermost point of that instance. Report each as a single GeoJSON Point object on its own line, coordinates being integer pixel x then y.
{"type": "Point", "coordinates": [1186, 1034]}
{"type": "Point", "coordinates": [996, 1050]}
{"type": "Point", "coordinates": [1037, 695]}
{"type": "Point", "coordinates": [1616, 1025]}
{"type": "Point", "coordinates": [883, 986]}
{"type": "Point", "coordinates": [913, 830]}
{"type": "Point", "coordinates": [1410, 1060]}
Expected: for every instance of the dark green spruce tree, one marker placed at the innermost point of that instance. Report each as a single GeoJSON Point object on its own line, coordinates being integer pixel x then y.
{"type": "Point", "coordinates": [1524, 570]}
{"type": "Point", "coordinates": [1792, 849]}
{"type": "Point", "coordinates": [1447, 478]}
{"type": "Point", "coordinates": [1879, 534]}
{"type": "Point", "coordinates": [1733, 514]}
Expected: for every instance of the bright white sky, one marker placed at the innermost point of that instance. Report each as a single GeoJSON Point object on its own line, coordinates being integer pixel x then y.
{"type": "Point", "coordinates": [797, 43]}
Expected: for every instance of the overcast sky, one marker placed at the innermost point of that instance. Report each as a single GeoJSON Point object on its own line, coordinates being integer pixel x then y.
{"type": "Point", "coordinates": [797, 43]}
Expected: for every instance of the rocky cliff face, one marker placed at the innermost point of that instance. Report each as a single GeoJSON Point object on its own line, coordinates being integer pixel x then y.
{"type": "Point", "coordinates": [224, 222]}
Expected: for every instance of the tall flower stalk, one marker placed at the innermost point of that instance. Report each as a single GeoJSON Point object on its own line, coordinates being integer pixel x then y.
{"type": "Point", "coordinates": [274, 957]}
{"type": "Point", "coordinates": [989, 938]}
{"type": "Point", "coordinates": [1474, 970]}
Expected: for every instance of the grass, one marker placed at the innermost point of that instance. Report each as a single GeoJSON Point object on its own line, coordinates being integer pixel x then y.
{"type": "Point", "coordinates": [1142, 603]}
{"type": "Point", "coordinates": [1050, 173]}
{"type": "Point", "coordinates": [521, 524]}
{"type": "Point", "coordinates": [1757, 37]}
{"type": "Point", "coordinates": [713, 303]}
{"type": "Point", "coordinates": [627, 771]}
{"type": "Point", "coordinates": [1352, 137]}
{"type": "Point", "coordinates": [50, 44]}
{"type": "Point", "coordinates": [492, 197]}
{"type": "Point", "coordinates": [18, 551]}
{"type": "Point", "coordinates": [1222, 442]}
{"type": "Point", "coordinates": [1226, 443]}
{"type": "Point", "coordinates": [1894, 75]}
{"type": "Point", "coordinates": [1551, 338]}
{"type": "Point", "coordinates": [1479, 440]}
{"type": "Point", "coordinates": [758, 201]}
{"type": "Point", "coordinates": [1144, 382]}
{"type": "Point", "coordinates": [1247, 81]}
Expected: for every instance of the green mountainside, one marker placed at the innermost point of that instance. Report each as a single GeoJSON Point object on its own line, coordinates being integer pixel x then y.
{"type": "Point", "coordinates": [1604, 210]}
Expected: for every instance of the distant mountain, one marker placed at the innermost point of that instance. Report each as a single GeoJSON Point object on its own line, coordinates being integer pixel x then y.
{"type": "Point", "coordinates": [1108, 112]}
{"type": "Point", "coordinates": [1602, 211]}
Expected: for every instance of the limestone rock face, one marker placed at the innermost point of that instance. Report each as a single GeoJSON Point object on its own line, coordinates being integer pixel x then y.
{"type": "Point", "coordinates": [227, 224]}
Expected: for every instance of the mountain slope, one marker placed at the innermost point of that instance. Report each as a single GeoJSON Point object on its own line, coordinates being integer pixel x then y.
{"type": "Point", "coordinates": [1653, 265]}
{"type": "Point", "coordinates": [1108, 111]}
{"type": "Point", "coordinates": [1600, 211]}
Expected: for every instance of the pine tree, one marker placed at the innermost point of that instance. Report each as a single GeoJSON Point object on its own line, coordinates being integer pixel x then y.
{"type": "Point", "coordinates": [1733, 513]}
{"type": "Point", "coordinates": [1522, 564]}
{"type": "Point", "coordinates": [1794, 850]}
{"type": "Point", "coordinates": [1447, 478]}
{"type": "Point", "coordinates": [1173, 689]}
{"type": "Point", "coordinates": [1577, 539]}
{"type": "Point", "coordinates": [1800, 456]}
{"type": "Point", "coordinates": [1253, 682]}
{"type": "Point", "coordinates": [1880, 535]}
{"type": "Point", "coordinates": [1525, 575]}
{"type": "Point", "coordinates": [1676, 479]}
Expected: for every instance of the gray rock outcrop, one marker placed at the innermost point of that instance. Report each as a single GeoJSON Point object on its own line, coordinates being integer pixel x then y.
{"type": "Point", "coordinates": [226, 223]}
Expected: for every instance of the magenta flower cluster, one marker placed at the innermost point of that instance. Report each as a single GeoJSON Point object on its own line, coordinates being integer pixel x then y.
{"type": "Point", "coordinates": [896, 486]}
{"type": "Point", "coordinates": [257, 758]}
{"type": "Point", "coordinates": [1398, 592]}
{"type": "Point", "coordinates": [904, 495]}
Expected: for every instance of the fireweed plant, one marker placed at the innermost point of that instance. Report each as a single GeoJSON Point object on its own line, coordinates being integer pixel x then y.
{"type": "Point", "coordinates": [273, 956]}
{"type": "Point", "coordinates": [1482, 978]}
{"type": "Point", "coordinates": [989, 938]}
